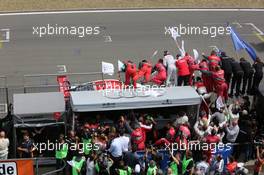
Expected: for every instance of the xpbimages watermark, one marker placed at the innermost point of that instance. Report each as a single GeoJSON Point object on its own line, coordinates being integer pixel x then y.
{"type": "Point", "coordinates": [212, 31]}
{"type": "Point", "coordinates": [75, 31]}
{"type": "Point", "coordinates": [197, 145]}
{"type": "Point", "coordinates": [115, 90]}
{"type": "Point", "coordinates": [54, 146]}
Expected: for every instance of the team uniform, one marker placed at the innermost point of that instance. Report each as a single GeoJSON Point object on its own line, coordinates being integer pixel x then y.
{"type": "Point", "coordinates": [161, 76]}
{"type": "Point", "coordinates": [145, 71]}
{"type": "Point", "coordinates": [131, 73]}
{"type": "Point", "coordinates": [192, 67]}
{"type": "Point", "coordinates": [183, 72]}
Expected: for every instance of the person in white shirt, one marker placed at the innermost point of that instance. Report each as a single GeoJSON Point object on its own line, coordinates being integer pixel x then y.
{"type": "Point", "coordinates": [4, 144]}
{"type": "Point", "coordinates": [169, 63]}
{"type": "Point", "coordinates": [90, 165]}
{"type": "Point", "coordinates": [183, 118]}
{"type": "Point", "coordinates": [232, 131]}
{"type": "Point", "coordinates": [125, 142]}
{"type": "Point", "coordinates": [203, 167]}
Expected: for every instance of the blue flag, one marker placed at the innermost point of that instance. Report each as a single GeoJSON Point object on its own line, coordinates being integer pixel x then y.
{"type": "Point", "coordinates": [240, 44]}
{"type": "Point", "coordinates": [237, 41]}
{"type": "Point", "coordinates": [250, 51]}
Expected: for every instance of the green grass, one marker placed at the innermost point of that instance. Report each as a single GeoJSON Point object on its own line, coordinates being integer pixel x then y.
{"type": "Point", "coordinates": [29, 5]}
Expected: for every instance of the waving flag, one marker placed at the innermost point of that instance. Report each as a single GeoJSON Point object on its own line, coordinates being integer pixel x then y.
{"type": "Point", "coordinates": [182, 49]}
{"type": "Point", "coordinates": [250, 51]}
{"type": "Point", "coordinates": [120, 65]}
{"type": "Point", "coordinates": [107, 68]}
{"type": "Point", "coordinates": [195, 54]}
{"type": "Point", "coordinates": [174, 33]}
{"type": "Point", "coordinates": [240, 44]}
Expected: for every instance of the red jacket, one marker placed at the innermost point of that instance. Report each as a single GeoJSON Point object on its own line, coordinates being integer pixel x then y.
{"type": "Point", "coordinates": [131, 68]}
{"type": "Point", "coordinates": [146, 67]}
{"type": "Point", "coordinates": [160, 67]}
{"type": "Point", "coordinates": [214, 60]}
{"type": "Point", "coordinates": [183, 67]}
{"type": "Point", "coordinates": [219, 77]}
{"type": "Point", "coordinates": [204, 65]}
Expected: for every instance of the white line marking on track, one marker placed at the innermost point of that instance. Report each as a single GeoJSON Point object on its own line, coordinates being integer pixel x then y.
{"type": "Point", "coordinates": [108, 39]}
{"type": "Point", "coordinates": [238, 24]}
{"type": "Point", "coordinates": [15, 13]}
{"type": "Point", "coordinates": [6, 33]}
{"type": "Point", "coordinates": [62, 68]}
{"type": "Point", "coordinates": [255, 27]}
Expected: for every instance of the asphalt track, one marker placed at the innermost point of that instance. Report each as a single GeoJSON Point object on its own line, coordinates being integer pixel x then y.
{"type": "Point", "coordinates": [123, 34]}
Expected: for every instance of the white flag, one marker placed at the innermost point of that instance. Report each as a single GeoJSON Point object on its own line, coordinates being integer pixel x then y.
{"type": "Point", "coordinates": [182, 49]}
{"type": "Point", "coordinates": [174, 33]}
{"type": "Point", "coordinates": [195, 54]}
{"type": "Point", "coordinates": [108, 68]}
{"type": "Point", "coordinates": [120, 66]}
{"type": "Point", "coordinates": [154, 54]}
{"type": "Point", "coordinates": [219, 103]}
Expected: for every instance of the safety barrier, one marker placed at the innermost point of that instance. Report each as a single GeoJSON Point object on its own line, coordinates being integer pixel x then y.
{"type": "Point", "coordinates": [48, 82]}
{"type": "Point", "coordinates": [34, 83]}
{"type": "Point", "coordinates": [30, 166]}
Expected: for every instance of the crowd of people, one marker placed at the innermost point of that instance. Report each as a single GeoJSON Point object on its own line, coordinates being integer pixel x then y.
{"type": "Point", "coordinates": [134, 144]}
{"type": "Point", "coordinates": [220, 73]}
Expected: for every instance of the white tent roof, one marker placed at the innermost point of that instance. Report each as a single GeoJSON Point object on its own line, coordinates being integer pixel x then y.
{"type": "Point", "coordinates": [38, 103]}
{"type": "Point", "coordinates": [85, 101]}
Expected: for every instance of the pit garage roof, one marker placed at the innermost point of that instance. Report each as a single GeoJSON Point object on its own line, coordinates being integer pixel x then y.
{"type": "Point", "coordinates": [38, 103]}
{"type": "Point", "coordinates": [87, 101]}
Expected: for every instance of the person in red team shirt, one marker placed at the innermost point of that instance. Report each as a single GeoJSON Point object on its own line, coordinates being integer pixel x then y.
{"type": "Point", "coordinates": [161, 76]}
{"type": "Point", "coordinates": [259, 162]}
{"type": "Point", "coordinates": [231, 166]}
{"type": "Point", "coordinates": [219, 82]}
{"type": "Point", "coordinates": [207, 80]}
{"type": "Point", "coordinates": [145, 70]}
{"type": "Point", "coordinates": [213, 59]}
{"type": "Point", "coordinates": [211, 139]}
{"type": "Point", "coordinates": [183, 71]}
{"type": "Point", "coordinates": [192, 67]}
{"type": "Point", "coordinates": [130, 73]}
{"type": "Point", "coordinates": [138, 135]}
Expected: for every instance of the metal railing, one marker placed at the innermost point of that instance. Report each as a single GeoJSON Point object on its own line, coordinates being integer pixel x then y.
{"type": "Point", "coordinates": [48, 82]}
{"type": "Point", "coordinates": [58, 170]}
